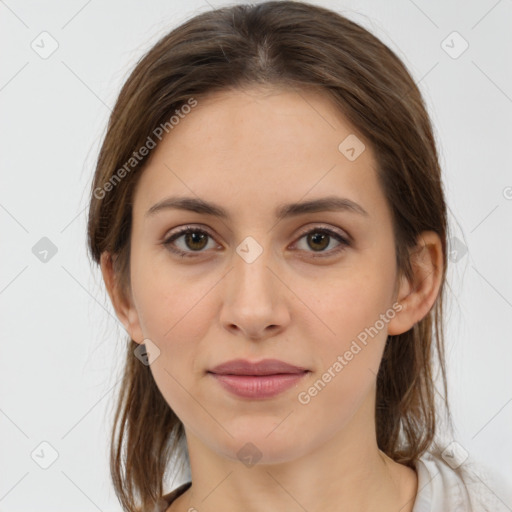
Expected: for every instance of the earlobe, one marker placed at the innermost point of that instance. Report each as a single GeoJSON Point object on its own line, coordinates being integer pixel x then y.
{"type": "Point", "coordinates": [123, 306]}
{"type": "Point", "coordinates": [419, 295]}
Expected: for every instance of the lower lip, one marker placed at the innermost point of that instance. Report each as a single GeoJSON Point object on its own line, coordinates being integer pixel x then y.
{"type": "Point", "coordinates": [258, 386]}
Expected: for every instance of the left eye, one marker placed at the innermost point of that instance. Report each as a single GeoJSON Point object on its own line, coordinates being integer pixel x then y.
{"type": "Point", "coordinates": [321, 238]}
{"type": "Point", "coordinates": [197, 239]}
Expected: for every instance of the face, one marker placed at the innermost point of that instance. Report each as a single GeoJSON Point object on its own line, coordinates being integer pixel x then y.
{"type": "Point", "coordinates": [314, 289]}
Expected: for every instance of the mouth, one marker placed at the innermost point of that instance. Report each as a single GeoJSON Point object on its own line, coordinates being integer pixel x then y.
{"type": "Point", "coordinates": [264, 379]}
{"type": "Point", "coordinates": [264, 367]}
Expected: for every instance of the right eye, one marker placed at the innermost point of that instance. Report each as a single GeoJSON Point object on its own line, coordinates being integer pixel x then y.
{"type": "Point", "coordinates": [194, 239]}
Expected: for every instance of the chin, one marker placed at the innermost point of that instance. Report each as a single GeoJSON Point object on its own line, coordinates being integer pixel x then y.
{"type": "Point", "coordinates": [253, 444]}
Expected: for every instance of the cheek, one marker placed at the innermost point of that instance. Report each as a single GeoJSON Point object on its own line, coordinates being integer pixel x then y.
{"type": "Point", "coordinates": [176, 322]}
{"type": "Point", "coordinates": [354, 312]}
{"type": "Point", "coordinates": [170, 301]}
{"type": "Point", "coordinates": [349, 304]}
{"type": "Point", "coordinates": [347, 361]}
{"type": "Point", "coordinates": [175, 313]}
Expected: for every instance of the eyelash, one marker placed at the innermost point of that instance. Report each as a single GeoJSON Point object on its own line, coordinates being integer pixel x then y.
{"type": "Point", "coordinates": [190, 229]}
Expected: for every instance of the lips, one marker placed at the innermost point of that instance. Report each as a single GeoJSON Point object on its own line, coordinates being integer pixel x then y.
{"type": "Point", "coordinates": [260, 380]}
{"type": "Point", "coordinates": [264, 367]}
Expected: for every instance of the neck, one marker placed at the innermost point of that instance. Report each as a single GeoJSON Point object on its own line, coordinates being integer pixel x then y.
{"type": "Point", "coordinates": [339, 474]}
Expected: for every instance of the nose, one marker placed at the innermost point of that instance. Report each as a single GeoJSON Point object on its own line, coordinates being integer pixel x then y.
{"type": "Point", "coordinates": [254, 299]}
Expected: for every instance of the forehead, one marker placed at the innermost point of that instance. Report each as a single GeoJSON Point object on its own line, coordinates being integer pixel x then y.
{"type": "Point", "coordinates": [265, 146]}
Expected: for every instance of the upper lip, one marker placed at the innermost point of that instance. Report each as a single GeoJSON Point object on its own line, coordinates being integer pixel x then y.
{"type": "Point", "coordinates": [264, 367]}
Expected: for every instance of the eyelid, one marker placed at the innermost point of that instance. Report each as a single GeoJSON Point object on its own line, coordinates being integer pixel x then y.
{"type": "Point", "coordinates": [201, 227]}
{"type": "Point", "coordinates": [331, 229]}
{"type": "Point", "coordinates": [344, 238]}
{"type": "Point", "coordinates": [179, 232]}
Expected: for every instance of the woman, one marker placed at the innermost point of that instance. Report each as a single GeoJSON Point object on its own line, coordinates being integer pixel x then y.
{"type": "Point", "coordinates": [269, 218]}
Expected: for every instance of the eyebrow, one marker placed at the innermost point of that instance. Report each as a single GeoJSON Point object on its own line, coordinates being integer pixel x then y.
{"type": "Point", "coordinates": [330, 203]}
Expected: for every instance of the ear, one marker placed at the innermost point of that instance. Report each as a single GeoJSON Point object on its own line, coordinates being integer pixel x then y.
{"type": "Point", "coordinates": [418, 297]}
{"type": "Point", "coordinates": [123, 304]}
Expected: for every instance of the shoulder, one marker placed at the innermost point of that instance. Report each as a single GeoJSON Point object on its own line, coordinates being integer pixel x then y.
{"type": "Point", "coordinates": [167, 499]}
{"type": "Point", "coordinates": [458, 486]}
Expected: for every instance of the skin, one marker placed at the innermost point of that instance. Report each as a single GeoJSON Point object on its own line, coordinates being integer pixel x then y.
{"type": "Point", "coordinates": [249, 151]}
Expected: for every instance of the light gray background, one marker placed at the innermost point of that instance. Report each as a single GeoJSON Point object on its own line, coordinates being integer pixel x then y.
{"type": "Point", "coordinates": [61, 346]}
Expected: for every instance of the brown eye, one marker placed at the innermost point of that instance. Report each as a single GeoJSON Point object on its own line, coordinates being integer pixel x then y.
{"type": "Point", "coordinates": [318, 239]}
{"type": "Point", "coordinates": [193, 240]}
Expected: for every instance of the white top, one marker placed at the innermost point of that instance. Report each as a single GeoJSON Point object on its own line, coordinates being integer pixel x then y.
{"type": "Point", "coordinates": [444, 487]}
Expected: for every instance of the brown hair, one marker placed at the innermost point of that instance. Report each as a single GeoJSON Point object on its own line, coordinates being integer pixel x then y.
{"type": "Point", "coordinates": [295, 45]}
